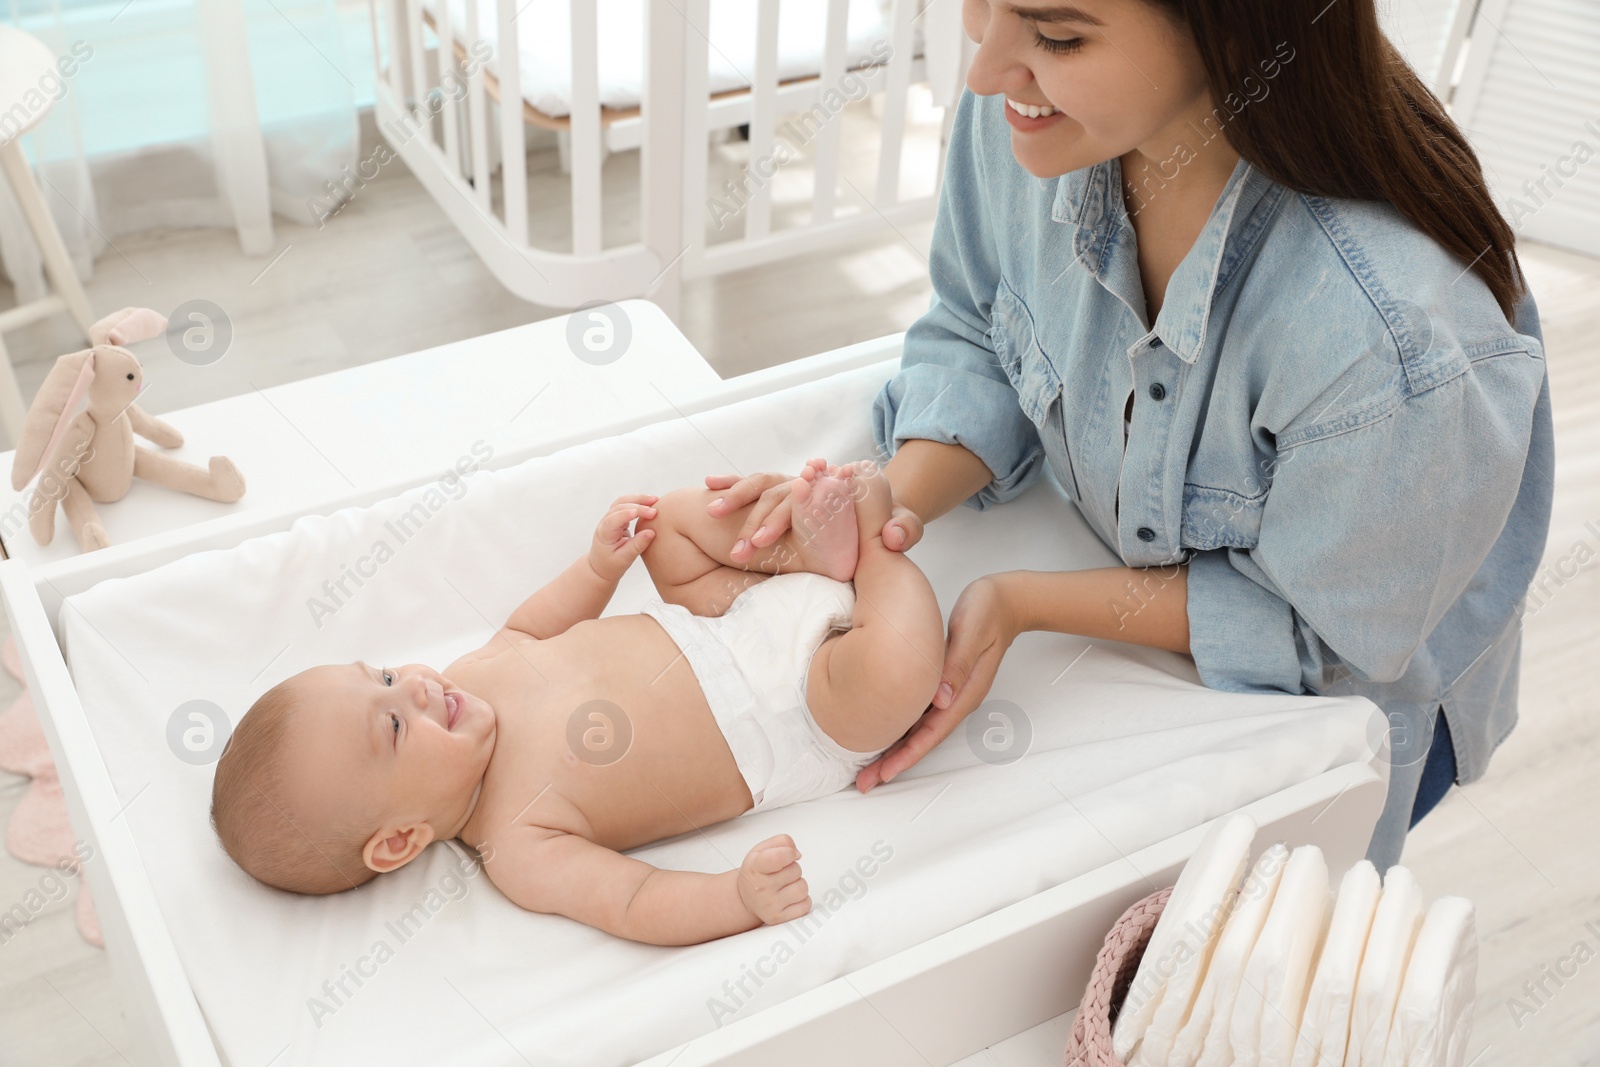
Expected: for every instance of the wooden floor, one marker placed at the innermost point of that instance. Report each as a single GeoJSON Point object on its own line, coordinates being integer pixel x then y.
{"type": "Point", "coordinates": [389, 276]}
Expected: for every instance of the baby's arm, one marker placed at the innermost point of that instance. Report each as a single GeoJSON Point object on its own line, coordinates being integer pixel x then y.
{"type": "Point", "coordinates": [583, 590]}
{"type": "Point", "coordinates": [563, 874]}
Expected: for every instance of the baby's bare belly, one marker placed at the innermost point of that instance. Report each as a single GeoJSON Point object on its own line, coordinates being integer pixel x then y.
{"type": "Point", "coordinates": [602, 731]}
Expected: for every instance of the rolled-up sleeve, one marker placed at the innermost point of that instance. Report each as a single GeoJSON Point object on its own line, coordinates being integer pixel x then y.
{"type": "Point", "coordinates": [950, 386]}
{"type": "Point", "coordinates": [1368, 536]}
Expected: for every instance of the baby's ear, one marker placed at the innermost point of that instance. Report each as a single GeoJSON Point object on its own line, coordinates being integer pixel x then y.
{"type": "Point", "coordinates": [391, 848]}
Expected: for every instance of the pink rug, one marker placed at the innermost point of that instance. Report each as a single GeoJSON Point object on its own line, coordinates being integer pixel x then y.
{"type": "Point", "coordinates": [40, 832]}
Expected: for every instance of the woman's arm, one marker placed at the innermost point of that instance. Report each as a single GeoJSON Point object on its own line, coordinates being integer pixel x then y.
{"type": "Point", "coordinates": [949, 416]}
{"type": "Point", "coordinates": [1139, 605]}
{"type": "Point", "coordinates": [928, 479]}
{"type": "Point", "coordinates": [1146, 606]}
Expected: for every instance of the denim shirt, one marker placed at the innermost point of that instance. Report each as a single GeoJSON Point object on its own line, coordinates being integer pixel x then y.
{"type": "Point", "coordinates": [1333, 426]}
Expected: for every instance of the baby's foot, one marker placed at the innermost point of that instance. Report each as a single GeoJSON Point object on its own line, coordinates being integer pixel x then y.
{"type": "Point", "coordinates": [869, 489]}
{"type": "Point", "coordinates": [823, 519]}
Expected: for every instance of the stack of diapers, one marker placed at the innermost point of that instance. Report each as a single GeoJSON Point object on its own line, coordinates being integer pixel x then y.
{"type": "Point", "coordinates": [1158, 1001]}
{"type": "Point", "coordinates": [1263, 965]}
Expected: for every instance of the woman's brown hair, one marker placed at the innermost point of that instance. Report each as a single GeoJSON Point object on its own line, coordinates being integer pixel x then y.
{"type": "Point", "coordinates": [1347, 117]}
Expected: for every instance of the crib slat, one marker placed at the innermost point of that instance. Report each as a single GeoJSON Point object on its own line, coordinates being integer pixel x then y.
{"type": "Point", "coordinates": [833, 61]}
{"type": "Point", "coordinates": [380, 71]}
{"type": "Point", "coordinates": [513, 143]}
{"type": "Point", "coordinates": [894, 104]}
{"type": "Point", "coordinates": [477, 109]}
{"type": "Point", "coordinates": [399, 47]}
{"type": "Point", "coordinates": [585, 128]}
{"type": "Point", "coordinates": [661, 189]}
{"type": "Point", "coordinates": [450, 84]}
{"type": "Point", "coordinates": [763, 122]}
{"type": "Point", "coordinates": [964, 52]}
{"type": "Point", "coordinates": [695, 148]}
{"type": "Point", "coordinates": [419, 71]}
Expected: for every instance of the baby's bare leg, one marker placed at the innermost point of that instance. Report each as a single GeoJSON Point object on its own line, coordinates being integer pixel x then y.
{"type": "Point", "coordinates": [691, 562]}
{"type": "Point", "coordinates": [869, 685]}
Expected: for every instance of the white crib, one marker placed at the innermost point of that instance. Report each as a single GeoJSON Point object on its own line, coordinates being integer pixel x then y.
{"type": "Point", "coordinates": [443, 110]}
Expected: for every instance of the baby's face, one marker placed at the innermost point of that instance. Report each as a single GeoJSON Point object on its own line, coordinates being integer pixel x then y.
{"type": "Point", "coordinates": [402, 744]}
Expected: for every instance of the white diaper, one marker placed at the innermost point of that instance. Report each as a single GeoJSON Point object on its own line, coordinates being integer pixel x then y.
{"type": "Point", "coordinates": [752, 663]}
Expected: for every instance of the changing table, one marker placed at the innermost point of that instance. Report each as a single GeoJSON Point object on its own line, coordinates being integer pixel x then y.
{"type": "Point", "coordinates": [363, 435]}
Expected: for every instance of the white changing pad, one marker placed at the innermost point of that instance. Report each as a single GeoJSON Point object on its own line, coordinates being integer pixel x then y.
{"type": "Point", "coordinates": [544, 41]}
{"type": "Point", "coordinates": [1127, 749]}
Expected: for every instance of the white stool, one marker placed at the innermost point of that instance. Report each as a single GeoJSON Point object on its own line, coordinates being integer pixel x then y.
{"type": "Point", "coordinates": [24, 61]}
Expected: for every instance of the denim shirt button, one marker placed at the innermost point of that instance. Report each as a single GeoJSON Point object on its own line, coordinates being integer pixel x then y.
{"type": "Point", "coordinates": [1146, 534]}
{"type": "Point", "coordinates": [1155, 342]}
{"type": "Point", "coordinates": [1157, 391]}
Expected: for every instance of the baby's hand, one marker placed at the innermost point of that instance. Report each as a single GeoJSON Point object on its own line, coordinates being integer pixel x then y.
{"type": "Point", "coordinates": [614, 548]}
{"type": "Point", "coordinates": [770, 884]}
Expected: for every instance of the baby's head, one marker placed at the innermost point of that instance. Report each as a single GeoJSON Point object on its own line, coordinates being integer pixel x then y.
{"type": "Point", "coordinates": [346, 771]}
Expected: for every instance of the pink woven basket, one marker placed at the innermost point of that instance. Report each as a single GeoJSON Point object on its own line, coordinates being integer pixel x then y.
{"type": "Point", "coordinates": [1114, 967]}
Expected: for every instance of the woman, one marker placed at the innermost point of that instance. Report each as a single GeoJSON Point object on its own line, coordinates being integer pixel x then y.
{"type": "Point", "coordinates": [1232, 257]}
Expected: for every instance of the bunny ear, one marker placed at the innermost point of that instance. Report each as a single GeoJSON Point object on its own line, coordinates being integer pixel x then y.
{"type": "Point", "coordinates": [54, 407]}
{"type": "Point", "coordinates": [127, 326]}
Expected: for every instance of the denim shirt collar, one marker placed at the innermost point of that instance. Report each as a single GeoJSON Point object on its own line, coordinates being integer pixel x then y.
{"type": "Point", "coordinates": [1090, 200]}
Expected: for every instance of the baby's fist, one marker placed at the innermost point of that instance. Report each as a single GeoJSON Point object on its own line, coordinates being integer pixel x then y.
{"type": "Point", "coordinates": [614, 548]}
{"type": "Point", "coordinates": [770, 884]}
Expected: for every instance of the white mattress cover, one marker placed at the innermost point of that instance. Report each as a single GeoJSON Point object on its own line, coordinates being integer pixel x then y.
{"type": "Point", "coordinates": [1128, 749]}
{"type": "Point", "coordinates": [544, 40]}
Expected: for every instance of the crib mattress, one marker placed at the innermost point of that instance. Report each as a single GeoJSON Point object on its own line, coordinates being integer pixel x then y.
{"type": "Point", "coordinates": [430, 965]}
{"type": "Point", "coordinates": [544, 36]}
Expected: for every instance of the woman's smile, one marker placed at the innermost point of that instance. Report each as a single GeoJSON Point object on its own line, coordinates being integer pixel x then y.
{"type": "Point", "coordinates": [1029, 118]}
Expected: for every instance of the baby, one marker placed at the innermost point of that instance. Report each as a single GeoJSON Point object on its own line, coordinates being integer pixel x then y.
{"type": "Point", "coordinates": [568, 738]}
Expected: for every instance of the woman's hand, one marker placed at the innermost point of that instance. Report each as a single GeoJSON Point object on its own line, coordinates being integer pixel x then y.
{"type": "Point", "coordinates": [772, 513]}
{"type": "Point", "coordinates": [903, 529]}
{"type": "Point", "coordinates": [982, 627]}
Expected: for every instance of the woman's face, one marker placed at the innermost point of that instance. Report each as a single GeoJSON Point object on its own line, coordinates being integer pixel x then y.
{"type": "Point", "coordinates": [1120, 75]}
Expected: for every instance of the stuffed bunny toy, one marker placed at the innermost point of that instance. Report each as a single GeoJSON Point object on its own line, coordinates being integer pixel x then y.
{"type": "Point", "coordinates": [91, 455]}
